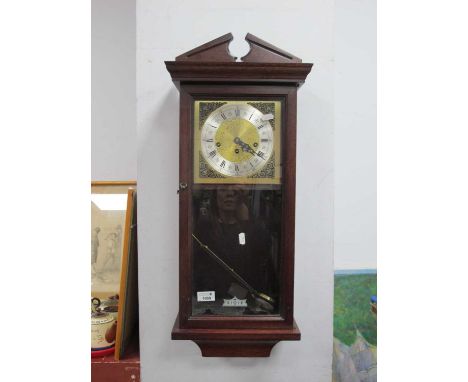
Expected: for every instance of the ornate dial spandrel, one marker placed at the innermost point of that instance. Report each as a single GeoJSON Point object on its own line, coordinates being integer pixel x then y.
{"type": "Point", "coordinates": [206, 108]}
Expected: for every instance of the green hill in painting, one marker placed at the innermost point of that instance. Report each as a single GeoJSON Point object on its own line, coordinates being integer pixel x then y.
{"type": "Point", "coordinates": [352, 307]}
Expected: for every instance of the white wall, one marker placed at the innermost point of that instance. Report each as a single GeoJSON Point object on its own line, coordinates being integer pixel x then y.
{"type": "Point", "coordinates": [166, 29]}
{"type": "Point", "coordinates": [355, 134]}
{"type": "Point", "coordinates": [113, 88]}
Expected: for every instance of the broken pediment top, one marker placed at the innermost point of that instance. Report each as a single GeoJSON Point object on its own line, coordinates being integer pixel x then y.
{"type": "Point", "coordinates": [262, 51]}
{"type": "Point", "coordinates": [217, 50]}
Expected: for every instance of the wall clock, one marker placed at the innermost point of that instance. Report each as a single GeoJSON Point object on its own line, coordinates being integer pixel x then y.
{"type": "Point", "coordinates": [237, 196]}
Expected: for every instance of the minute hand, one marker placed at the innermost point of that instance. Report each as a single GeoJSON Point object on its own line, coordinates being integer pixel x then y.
{"type": "Point", "coordinates": [245, 147]}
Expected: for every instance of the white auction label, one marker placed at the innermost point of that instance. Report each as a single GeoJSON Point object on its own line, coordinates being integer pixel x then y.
{"type": "Point", "coordinates": [242, 238]}
{"type": "Point", "coordinates": [206, 296]}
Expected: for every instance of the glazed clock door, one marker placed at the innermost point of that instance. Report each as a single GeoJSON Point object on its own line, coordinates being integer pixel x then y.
{"type": "Point", "coordinates": [236, 207]}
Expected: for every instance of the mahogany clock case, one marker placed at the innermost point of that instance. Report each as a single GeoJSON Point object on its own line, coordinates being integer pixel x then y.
{"type": "Point", "coordinates": [190, 93]}
{"type": "Point", "coordinates": [265, 74]}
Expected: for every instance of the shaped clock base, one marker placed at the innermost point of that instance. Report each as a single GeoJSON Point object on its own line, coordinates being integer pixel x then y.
{"type": "Point", "coordinates": [236, 342]}
{"type": "Point", "coordinates": [235, 348]}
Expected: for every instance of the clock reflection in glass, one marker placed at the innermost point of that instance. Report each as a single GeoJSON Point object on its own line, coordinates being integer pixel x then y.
{"type": "Point", "coordinates": [237, 140]}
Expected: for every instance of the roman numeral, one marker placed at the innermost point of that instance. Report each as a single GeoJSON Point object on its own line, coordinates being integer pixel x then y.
{"type": "Point", "coordinates": [208, 140]}
{"type": "Point", "coordinates": [222, 115]}
{"type": "Point", "coordinates": [214, 127]}
{"type": "Point", "coordinates": [212, 154]}
{"type": "Point", "coordinates": [237, 112]}
{"type": "Point", "coordinates": [223, 163]}
{"type": "Point", "coordinates": [261, 154]}
{"type": "Point", "coordinates": [265, 140]}
{"type": "Point", "coordinates": [237, 168]}
{"type": "Point", "coordinates": [250, 116]}
{"type": "Point", "coordinates": [261, 126]}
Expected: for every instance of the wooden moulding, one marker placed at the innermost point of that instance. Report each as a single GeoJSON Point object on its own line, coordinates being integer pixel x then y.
{"type": "Point", "coordinates": [262, 51]}
{"type": "Point", "coordinates": [215, 50]}
{"type": "Point", "coordinates": [212, 62]}
{"type": "Point", "coordinates": [238, 72]}
{"type": "Point", "coordinates": [235, 342]}
{"type": "Point", "coordinates": [113, 183]}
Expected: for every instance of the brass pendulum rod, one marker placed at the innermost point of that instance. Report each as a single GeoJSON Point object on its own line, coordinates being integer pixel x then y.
{"type": "Point", "coordinates": [244, 283]}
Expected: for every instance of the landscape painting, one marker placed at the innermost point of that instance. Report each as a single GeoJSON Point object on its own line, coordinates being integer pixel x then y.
{"type": "Point", "coordinates": [355, 326]}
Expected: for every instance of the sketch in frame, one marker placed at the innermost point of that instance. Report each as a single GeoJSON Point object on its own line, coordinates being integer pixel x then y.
{"type": "Point", "coordinates": [106, 248]}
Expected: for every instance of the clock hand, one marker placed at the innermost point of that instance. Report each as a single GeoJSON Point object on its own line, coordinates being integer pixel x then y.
{"type": "Point", "coordinates": [242, 144]}
{"type": "Point", "coordinates": [253, 152]}
{"type": "Point", "coordinates": [246, 147]}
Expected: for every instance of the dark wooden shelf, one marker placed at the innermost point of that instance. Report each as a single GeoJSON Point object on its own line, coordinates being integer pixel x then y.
{"type": "Point", "coordinates": [107, 369]}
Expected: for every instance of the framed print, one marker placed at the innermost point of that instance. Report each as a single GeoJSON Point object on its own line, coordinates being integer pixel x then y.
{"type": "Point", "coordinates": [108, 220]}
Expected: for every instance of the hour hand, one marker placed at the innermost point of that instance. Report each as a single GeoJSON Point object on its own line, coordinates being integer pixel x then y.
{"type": "Point", "coordinates": [244, 146]}
{"type": "Point", "coordinates": [239, 142]}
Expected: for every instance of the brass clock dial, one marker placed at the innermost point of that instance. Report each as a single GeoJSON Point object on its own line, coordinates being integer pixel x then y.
{"type": "Point", "coordinates": [237, 140]}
